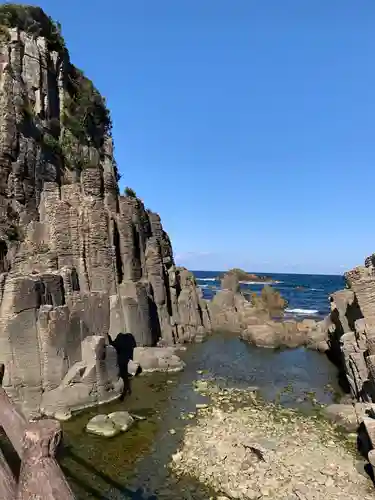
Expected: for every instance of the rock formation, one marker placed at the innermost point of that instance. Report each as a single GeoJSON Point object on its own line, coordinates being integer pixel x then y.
{"type": "Point", "coordinates": [77, 260]}
{"type": "Point", "coordinates": [244, 276]}
{"type": "Point", "coordinates": [352, 331]}
{"type": "Point", "coordinates": [259, 318]}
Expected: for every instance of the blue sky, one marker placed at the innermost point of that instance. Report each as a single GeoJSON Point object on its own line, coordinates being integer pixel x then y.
{"type": "Point", "coordinates": [247, 124]}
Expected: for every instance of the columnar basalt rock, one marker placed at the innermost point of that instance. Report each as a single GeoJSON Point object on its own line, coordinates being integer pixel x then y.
{"type": "Point", "coordinates": [352, 332]}
{"type": "Point", "coordinates": [351, 327]}
{"type": "Point", "coordinates": [77, 260]}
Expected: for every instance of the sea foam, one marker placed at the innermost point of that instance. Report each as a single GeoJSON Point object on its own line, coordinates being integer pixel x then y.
{"type": "Point", "coordinates": [302, 311]}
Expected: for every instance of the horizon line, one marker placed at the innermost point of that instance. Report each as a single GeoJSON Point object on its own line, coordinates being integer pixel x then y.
{"type": "Point", "coordinates": [269, 274]}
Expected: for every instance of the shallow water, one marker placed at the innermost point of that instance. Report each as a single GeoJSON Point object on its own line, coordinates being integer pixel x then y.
{"type": "Point", "coordinates": [107, 469]}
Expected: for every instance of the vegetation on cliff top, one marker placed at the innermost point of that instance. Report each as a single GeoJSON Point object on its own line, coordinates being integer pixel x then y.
{"type": "Point", "coordinates": [86, 114]}
{"type": "Point", "coordinates": [128, 191]}
{"type": "Point", "coordinates": [85, 117]}
{"type": "Point", "coordinates": [34, 21]}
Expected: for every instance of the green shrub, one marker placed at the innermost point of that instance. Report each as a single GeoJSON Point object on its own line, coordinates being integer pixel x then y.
{"type": "Point", "coordinates": [52, 144]}
{"type": "Point", "coordinates": [33, 21]}
{"type": "Point", "coordinates": [130, 192]}
{"type": "Point", "coordinates": [86, 114]}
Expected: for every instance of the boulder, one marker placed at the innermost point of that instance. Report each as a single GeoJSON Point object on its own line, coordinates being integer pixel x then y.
{"type": "Point", "coordinates": [161, 359]}
{"type": "Point", "coordinates": [262, 336]}
{"type": "Point", "coordinates": [275, 334]}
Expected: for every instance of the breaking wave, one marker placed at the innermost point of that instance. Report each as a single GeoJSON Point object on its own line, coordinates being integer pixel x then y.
{"type": "Point", "coordinates": [302, 311]}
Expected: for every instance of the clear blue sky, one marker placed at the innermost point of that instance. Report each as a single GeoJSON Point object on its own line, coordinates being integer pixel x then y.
{"type": "Point", "coordinates": [247, 124]}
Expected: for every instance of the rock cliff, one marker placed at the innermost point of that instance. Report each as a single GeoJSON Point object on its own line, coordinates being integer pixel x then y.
{"type": "Point", "coordinates": [77, 260]}
{"type": "Point", "coordinates": [352, 330]}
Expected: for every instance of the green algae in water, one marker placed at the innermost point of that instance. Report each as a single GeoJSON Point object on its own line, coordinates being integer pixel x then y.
{"type": "Point", "coordinates": [100, 468]}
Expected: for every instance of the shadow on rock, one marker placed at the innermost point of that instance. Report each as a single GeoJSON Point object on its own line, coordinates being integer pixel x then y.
{"type": "Point", "coordinates": [125, 344]}
{"type": "Point", "coordinates": [91, 492]}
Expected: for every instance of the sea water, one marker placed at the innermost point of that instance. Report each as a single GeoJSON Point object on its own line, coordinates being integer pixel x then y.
{"type": "Point", "coordinates": [307, 294]}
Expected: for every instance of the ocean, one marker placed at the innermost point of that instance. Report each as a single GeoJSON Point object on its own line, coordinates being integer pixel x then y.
{"type": "Point", "coordinates": [307, 294]}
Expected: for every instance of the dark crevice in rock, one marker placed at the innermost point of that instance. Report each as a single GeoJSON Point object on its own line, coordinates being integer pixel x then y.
{"type": "Point", "coordinates": [154, 320]}
{"type": "Point", "coordinates": [353, 312]}
{"type": "Point", "coordinates": [75, 280]}
{"type": "Point", "coordinates": [116, 244]}
{"type": "Point", "coordinates": [137, 254]}
{"type": "Point", "coordinates": [3, 257]}
{"type": "Point", "coordinates": [52, 89]}
{"type": "Point", "coordinates": [168, 292]}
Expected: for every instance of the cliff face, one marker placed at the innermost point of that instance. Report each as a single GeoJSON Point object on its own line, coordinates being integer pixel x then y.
{"type": "Point", "coordinates": [352, 330]}
{"type": "Point", "coordinates": [77, 260]}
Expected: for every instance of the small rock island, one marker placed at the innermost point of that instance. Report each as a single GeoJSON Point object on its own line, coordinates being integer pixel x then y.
{"type": "Point", "coordinates": [244, 276]}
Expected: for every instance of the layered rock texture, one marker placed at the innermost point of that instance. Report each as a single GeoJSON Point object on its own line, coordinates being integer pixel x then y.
{"type": "Point", "coordinates": [352, 330]}
{"type": "Point", "coordinates": [77, 260]}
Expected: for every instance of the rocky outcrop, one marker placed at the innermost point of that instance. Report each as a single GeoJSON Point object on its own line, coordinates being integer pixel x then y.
{"type": "Point", "coordinates": [77, 260]}
{"type": "Point", "coordinates": [259, 319]}
{"type": "Point", "coordinates": [246, 277]}
{"type": "Point", "coordinates": [352, 331]}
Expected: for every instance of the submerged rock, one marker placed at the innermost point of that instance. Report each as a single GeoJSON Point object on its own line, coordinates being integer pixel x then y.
{"type": "Point", "coordinates": [162, 359]}
{"type": "Point", "coordinates": [110, 425]}
{"type": "Point", "coordinates": [122, 419]}
{"type": "Point", "coordinates": [102, 425]}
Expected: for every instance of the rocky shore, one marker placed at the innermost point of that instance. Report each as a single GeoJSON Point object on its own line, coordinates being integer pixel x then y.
{"type": "Point", "coordinates": [245, 448]}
